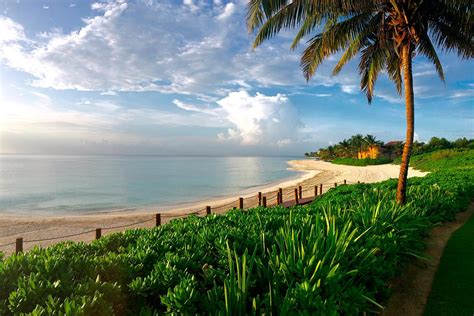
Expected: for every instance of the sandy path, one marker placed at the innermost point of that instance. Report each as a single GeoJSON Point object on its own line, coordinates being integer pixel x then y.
{"type": "Point", "coordinates": [412, 289]}
{"type": "Point", "coordinates": [37, 227]}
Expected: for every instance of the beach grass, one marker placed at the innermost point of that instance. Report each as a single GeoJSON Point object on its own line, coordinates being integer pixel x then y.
{"type": "Point", "coordinates": [361, 162]}
{"type": "Point", "coordinates": [453, 287]}
{"type": "Point", "coordinates": [442, 160]}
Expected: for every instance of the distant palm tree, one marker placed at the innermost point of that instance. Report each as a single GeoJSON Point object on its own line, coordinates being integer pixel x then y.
{"type": "Point", "coordinates": [344, 148]}
{"type": "Point", "coordinates": [371, 140]}
{"type": "Point", "coordinates": [385, 33]}
{"type": "Point", "coordinates": [358, 143]}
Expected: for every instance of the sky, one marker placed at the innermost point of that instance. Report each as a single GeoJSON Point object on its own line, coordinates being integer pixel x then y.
{"type": "Point", "coordinates": [181, 78]}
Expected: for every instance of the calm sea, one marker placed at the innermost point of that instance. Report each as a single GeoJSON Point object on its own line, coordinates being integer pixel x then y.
{"type": "Point", "coordinates": [36, 184]}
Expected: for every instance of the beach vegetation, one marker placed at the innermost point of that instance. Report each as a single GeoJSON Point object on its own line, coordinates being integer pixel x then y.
{"type": "Point", "coordinates": [385, 36]}
{"type": "Point", "coordinates": [445, 159]}
{"type": "Point", "coordinates": [361, 162]}
{"type": "Point", "coordinates": [452, 289]}
{"type": "Point", "coordinates": [334, 256]}
{"type": "Point", "coordinates": [348, 148]}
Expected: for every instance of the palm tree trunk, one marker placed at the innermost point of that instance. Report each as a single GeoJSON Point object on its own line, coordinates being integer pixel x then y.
{"type": "Point", "coordinates": [410, 117]}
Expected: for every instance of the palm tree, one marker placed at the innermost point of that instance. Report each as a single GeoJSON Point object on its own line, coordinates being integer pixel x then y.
{"type": "Point", "coordinates": [358, 144]}
{"type": "Point", "coordinates": [371, 140]}
{"type": "Point", "coordinates": [344, 148]}
{"type": "Point", "coordinates": [387, 34]}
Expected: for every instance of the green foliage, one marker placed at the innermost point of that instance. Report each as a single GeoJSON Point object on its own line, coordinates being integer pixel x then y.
{"type": "Point", "coordinates": [443, 160]}
{"type": "Point", "coordinates": [361, 162]}
{"type": "Point", "coordinates": [437, 143]}
{"type": "Point", "coordinates": [452, 290]}
{"type": "Point", "coordinates": [347, 148]}
{"type": "Point", "coordinates": [334, 256]}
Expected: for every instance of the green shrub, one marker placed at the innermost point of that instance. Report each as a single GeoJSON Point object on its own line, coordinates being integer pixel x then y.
{"type": "Point", "coordinates": [361, 162]}
{"type": "Point", "coordinates": [442, 160]}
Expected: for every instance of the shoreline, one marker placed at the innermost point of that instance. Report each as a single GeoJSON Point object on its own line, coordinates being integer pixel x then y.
{"type": "Point", "coordinates": [34, 227]}
{"type": "Point", "coordinates": [302, 175]}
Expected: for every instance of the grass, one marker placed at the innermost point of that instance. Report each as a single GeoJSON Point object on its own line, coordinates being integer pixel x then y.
{"type": "Point", "coordinates": [453, 286]}
{"type": "Point", "coordinates": [442, 159]}
{"type": "Point", "coordinates": [361, 162]}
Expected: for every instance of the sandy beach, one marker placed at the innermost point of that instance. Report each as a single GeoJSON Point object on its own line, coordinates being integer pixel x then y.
{"type": "Point", "coordinates": [82, 227]}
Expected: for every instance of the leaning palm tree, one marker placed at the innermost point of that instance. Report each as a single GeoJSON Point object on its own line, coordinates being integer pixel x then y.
{"type": "Point", "coordinates": [387, 34]}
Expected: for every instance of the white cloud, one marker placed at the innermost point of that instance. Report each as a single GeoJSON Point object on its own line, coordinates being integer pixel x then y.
{"type": "Point", "coordinates": [229, 9]}
{"type": "Point", "coordinates": [11, 31]}
{"type": "Point", "coordinates": [194, 108]}
{"type": "Point", "coordinates": [190, 4]}
{"type": "Point", "coordinates": [110, 93]}
{"type": "Point", "coordinates": [350, 89]}
{"type": "Point", "coordinates": [462, 94]}
{"type": "Point", "coordinates": [132, 48]}
{"type": "Point", "coordinates": [260, 119]}
{"type": "Point", "coordinates": [158, 46]}
{"type": "Point", "coordinates": [424, 73]}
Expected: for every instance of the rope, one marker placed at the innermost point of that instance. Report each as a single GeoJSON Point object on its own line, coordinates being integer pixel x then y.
{"type": "Point", "coordinates": [181, 215]}
{"type": "Point", "coordinates": [66, 236]}
{"type": "Point", "coordinates": [127, 225]}
{"type": "Point", "coordinates": [4, 245]}
{"type": "Point", "coordinates": [228, 204]}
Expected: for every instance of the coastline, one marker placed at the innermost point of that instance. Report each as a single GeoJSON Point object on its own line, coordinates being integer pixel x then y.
{"type": "Point", "coordinates": [312, 173]}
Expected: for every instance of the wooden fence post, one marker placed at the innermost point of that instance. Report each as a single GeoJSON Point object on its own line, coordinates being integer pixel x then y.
{"type": "Point", "coordinates": [208, 210]}
{"type": "Point", "coordinates": [264, 201]}
{"type": "Point", "coordinates": [241, 203]}
{"type": "Point", "coordinates": [296, 197]}
{"type": "Point", "coordinates": [335, 184]}
{"type": "Point", "coordinates": [259, 198]}
{"type": "Point", "coordinates": [19, 245]}
{"type": "Point", "coordinates": [280, 196]}
{"type": "Point", "coordinates": [358, 182]}
{"type": "Point", "coordinates": [300, 192]}
{"type": "Point", "coordinates": [98, 233]}
{"type": "Point", "coordinates": [315, 190]}
{"type": "Point", "coordinates": [157, 219]}
{"type": "Point", "coordinates": [345, 182]}
{"type": "Point", "coordinates": [321, 189]}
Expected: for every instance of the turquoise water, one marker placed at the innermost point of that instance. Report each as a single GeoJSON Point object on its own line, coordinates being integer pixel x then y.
{"type": "Point", "coordinates": [37, 184]}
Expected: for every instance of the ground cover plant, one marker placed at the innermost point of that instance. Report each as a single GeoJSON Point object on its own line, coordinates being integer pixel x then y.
{"type": "Point", "coordinates": [334, 256]}
{"type": "Point", "coordinates": [361, 162]}
{"type": "Point", "coordinates": [453, 290]}
{"type": "Point", "coordinates": [443, 160]}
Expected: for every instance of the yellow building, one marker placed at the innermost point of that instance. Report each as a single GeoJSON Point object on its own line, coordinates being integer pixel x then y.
{"type": "Point", "coordinates": [372, 152]}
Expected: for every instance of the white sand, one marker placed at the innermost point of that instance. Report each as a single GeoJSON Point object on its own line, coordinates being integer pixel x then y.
{"type": "Point", "coordinates": [33, 227]}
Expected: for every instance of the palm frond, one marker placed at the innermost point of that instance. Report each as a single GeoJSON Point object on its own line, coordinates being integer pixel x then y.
{"type": "Point", "coordinates": [394, 70]}
{"type": "Point", "coordinates": [357, 43]}
{"type": "Point", "coordinates": [425, 47]}
{"type": "Point", "coordinates": [450, 39]}
{"type": "Point", "coordinates": [285, 17]}
{"type": "Point", "coordinates": [372, 61]}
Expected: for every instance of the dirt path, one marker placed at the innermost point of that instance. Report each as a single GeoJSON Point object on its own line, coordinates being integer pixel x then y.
{"type": "Point", "coordinates": [412, 288]}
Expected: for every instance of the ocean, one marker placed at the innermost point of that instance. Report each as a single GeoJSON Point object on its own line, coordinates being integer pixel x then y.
{"type": "Point", "coordinates": [47, 184]}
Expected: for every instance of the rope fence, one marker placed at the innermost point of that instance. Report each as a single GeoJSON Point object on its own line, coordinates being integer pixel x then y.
{"type": "Point", "coordinates": [284, 197]}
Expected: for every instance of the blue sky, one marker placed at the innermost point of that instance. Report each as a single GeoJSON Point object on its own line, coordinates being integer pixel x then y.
{"type": "Point", "coordinates": [180, 77]}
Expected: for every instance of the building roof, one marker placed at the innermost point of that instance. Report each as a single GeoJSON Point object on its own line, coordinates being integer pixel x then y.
{"type": "Point", "coordinates": [393, 143]}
